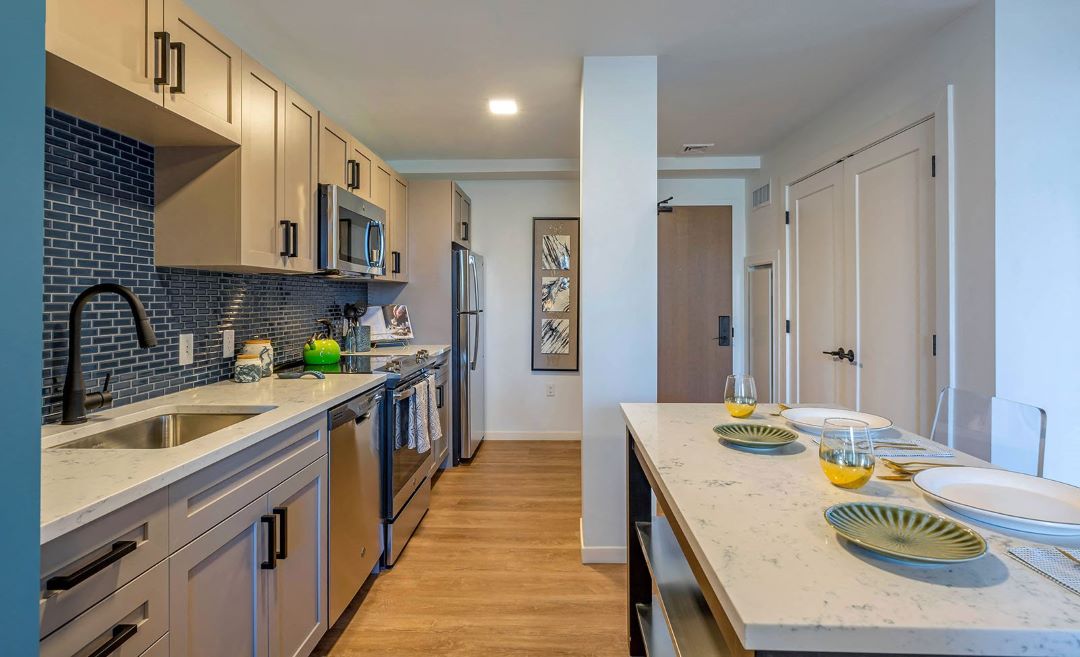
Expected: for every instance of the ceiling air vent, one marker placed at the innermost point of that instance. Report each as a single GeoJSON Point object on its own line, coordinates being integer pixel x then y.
{"type": "Point", "coordinates": [760, 196]}
{"type": "Point", "coordinates": [696, 148]}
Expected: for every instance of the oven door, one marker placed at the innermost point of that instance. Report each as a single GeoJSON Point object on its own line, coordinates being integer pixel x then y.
{"type": "Point", "coordinates": [352, 235]}
{"type": "Point", "coordinates": [407, 467]}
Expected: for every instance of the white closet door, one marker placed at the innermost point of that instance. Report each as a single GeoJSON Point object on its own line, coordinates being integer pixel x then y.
{"type": "Point", "coordinates": [819, 303]}
{"type": "Point", "coordinates": [889, 208]}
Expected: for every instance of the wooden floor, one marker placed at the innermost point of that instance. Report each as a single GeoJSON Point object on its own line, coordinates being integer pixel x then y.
{"type": "Point", "coordinates": [495, 569]}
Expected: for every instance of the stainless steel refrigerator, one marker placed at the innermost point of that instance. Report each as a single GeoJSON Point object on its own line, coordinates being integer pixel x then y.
{"type": "Point", "coordinates": [468, 354]}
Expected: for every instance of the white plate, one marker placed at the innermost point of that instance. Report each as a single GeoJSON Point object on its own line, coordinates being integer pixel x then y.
{"type": "Point", "coordinates": [812, 418]}
{"type": "Point", "coordinates": [1006, 499]}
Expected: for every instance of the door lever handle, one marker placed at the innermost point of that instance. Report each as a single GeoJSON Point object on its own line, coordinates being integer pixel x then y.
{"type": "Point", "coordinates": [848, 355]}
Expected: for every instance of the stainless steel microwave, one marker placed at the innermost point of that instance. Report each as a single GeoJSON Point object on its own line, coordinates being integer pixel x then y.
{"type": "Point", "coordinates": [352, 234]}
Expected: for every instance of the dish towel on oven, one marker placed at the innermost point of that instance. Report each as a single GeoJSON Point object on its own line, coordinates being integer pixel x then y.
{"type": "Point", "coordinates": [421, 430]}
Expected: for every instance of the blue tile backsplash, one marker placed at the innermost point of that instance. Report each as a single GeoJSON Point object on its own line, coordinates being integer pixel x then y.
{"type": "Point", "coordinates": [99, 227]}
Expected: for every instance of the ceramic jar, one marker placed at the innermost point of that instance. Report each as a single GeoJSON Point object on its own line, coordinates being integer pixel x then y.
{"type": "Point", "coordinates": [248, 368]}
{"type": "Point", "coordinates": [264, 349]}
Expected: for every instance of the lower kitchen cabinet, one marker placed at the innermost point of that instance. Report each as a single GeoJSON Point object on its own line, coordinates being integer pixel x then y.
{"type": "Point", "coordinates": [255, 584]}
{"type": "Point", "coordinates": [298, 585]}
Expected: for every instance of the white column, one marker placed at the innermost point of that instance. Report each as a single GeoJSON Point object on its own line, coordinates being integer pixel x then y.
{"type": "Point", "coordinates": [1037, 217]}
{"type": "Point", "coordinates": [618, 284]}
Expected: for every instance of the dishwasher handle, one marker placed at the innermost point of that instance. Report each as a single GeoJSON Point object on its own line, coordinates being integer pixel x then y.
{"type": "Point", "coordinates": [355, 410]}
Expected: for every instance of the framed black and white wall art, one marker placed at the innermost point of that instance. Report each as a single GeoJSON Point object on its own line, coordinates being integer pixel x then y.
{"type": "Point", "coordinates": [555, 294]}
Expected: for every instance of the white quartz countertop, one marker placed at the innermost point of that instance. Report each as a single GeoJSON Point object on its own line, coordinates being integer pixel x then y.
{"type": "Point", "coordinates": [81, 485]}
{"type": "Point", "coordinates": [787, 581]}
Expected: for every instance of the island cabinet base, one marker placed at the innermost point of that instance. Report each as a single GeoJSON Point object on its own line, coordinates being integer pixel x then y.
{"type": "Point", "coordinates": [671, 609]}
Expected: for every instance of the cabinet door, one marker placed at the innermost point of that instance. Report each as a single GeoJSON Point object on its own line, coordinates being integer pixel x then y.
{"type": "Point", "coordinates": [217, 589]}
{"type": "Point", "coordinates": [205, 72]}
{"type": "Point", "coordinates": [298, 585]}
{"type": "Point", "coordinates": [263, 238]}
{"type": "Point", "coordinates": [381, 181]}
{"type": "Point", "coordinates": [113, 39]}
{"type": "Point", "coordinates": [301, 174]}
{"type": "Point", "coordinates": [399, 231]}
{"type": "Point", "coordinates": [334, 166]}
{"type": "Point", "coordinates": [362, 157]}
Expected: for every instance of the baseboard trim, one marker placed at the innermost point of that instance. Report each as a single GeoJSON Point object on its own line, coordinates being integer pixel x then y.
{"type": "Point", "coordinates": [533, 435]}
{"type": "Point", "coordinates": [599, 553]}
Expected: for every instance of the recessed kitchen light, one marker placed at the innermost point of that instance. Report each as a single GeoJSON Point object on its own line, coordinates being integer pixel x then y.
{"type": "Point", "coordinates": [503, 106]}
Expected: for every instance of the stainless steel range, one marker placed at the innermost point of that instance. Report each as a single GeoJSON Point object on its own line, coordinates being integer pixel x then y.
{"type": "Point", "coordinates": [405, 472]}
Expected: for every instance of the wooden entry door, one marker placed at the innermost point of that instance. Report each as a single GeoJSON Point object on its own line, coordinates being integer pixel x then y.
{"type": "Point", "coordinates": [693, 293]}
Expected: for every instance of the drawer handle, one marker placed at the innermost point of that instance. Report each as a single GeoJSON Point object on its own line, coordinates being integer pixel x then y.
{"type": "Point", "coordinates": [283, 522]}
{"type": "Point", "coordinates": [271, 539]}
{"type": "Point", "coordinates": [120, 634]}
{"type": "Point", "coordinates": [65, 582]}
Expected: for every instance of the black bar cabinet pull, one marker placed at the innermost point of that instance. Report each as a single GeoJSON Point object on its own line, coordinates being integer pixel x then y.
{"type": "Point", "coordinates": [162, 77]}
{"type": "Point", "coordinates": [397, 262]}
{"type": "Point", "coordinates": [285, 238]}
{"type": "Point", "coordinates": [181, 65]}
{"type": "Point", "coordinates": [293, 250]}
{"type": "Point", "coordinates": [120, 635]}
{"type": "Point", "coordinates": [465, 231]}
{"type": "Point", "coordinates": [65, 582]}
{"type": "Point", "coordinates": [439, 396]}
{"type": "Point", "coordinates": [283, 521]}
{"type": "Point", "coordinates": [271, 539]}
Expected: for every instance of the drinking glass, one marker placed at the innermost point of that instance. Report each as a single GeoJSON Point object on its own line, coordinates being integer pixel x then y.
{"type": "Point", "coordinates": [740, 395]}
{"type": "Point", "coordinates": [846, 452]}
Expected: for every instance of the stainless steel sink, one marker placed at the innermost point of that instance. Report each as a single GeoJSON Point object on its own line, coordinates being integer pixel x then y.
{"type": "Point", "coordinates": [159, 432]}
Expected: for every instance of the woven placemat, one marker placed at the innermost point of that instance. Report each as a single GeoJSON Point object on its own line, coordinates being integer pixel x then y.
{"type": "Point", "coordinates": [1051, 564]}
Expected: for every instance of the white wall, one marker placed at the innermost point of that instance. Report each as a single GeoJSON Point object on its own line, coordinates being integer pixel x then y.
{"type": "Point", "coordinates": [720, 191]}
{"type": "Point", "coordinates": [618, 283]}
{"type": "Point", "coordinates": [517, 404]}
{"type": "Point", "coordinates": [1037, 65]}
{"type": "Point", "coordinates": [961, 54]}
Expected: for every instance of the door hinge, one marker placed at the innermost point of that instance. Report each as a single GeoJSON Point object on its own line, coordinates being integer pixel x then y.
{"type": "Point", "coordinates": [934, 347]}
{"type": "Point", "coordinates": [933, 166]}
{"type": "Point", "coordinates": [787, 326]}
{"type": "Point", "coordinates": [787, 217]}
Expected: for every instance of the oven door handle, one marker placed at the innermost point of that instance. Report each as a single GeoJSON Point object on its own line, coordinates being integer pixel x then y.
{"type": "Point", "coordinates": [404, 394]}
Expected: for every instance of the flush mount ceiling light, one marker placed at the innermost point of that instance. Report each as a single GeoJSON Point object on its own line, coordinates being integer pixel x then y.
{"type": "Point", "coordinates": [503, 106]}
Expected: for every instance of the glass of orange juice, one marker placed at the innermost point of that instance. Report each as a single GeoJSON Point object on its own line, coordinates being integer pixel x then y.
{"type": "Point", "coordinates": [846, 452]}
{"type": "Point", "coordinates": [740, 395]}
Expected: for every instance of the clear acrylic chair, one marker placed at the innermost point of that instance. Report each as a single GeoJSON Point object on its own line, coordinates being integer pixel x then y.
{"type": "Point", "coordinates": [1006, 433]}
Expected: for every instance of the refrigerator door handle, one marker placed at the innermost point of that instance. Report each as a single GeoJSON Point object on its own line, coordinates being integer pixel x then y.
{"type": "Point", "coordinates": [476, 343]}
{"type": "Point", "coordinates": [476, 307]}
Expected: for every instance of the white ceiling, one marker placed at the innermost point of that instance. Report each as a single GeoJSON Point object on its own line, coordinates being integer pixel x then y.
{"type": "Point", "coordinates": [412, 77]}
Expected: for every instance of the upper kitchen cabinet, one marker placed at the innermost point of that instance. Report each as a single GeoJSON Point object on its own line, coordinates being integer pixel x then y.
{"type": "Point", "coordinates": [343, 160]}
{"type": "Point", "coordinates": [204, 71]}
{"type": "Point", "coordinates": [246, 209]}
{"type": "Point", "coordinates": [462, 216]}
{"type": "Point", "coordinates": [398, 262]}
{"type": "Point", "coordinates": [151, 69]}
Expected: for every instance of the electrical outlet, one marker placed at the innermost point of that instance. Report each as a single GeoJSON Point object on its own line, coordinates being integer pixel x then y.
{"type": "Point", "coordinates": [187, 349]}
{"type": "Point", "coordinates": [228, 343]}
{"type": "Point", "coordinates": [551, 390]}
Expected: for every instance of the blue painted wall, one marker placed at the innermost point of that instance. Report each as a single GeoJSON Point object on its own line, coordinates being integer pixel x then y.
{"type": "Point", "coordinates": [22, 50]}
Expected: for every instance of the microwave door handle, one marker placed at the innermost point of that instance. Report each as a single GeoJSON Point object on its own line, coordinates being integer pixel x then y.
{"type": "Point", "coordinates": [382, 244]}
{"type": "Point", "coordinates": [367, 245]}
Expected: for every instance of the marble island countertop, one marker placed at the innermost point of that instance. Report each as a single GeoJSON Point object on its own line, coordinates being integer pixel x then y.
{"type": "Point", "coordinates": [81, 485]}
{"type": "Point", "coordinates": [788, 582]}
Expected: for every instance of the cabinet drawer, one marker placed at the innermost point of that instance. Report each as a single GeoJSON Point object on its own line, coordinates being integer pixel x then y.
{"type": "Point", "coordinates": [159, 649]}
{"type": "Point", "coordinates": [211, 495]}
{"type": "Point", "coordinates": [100, 557]}
{"type": "Point", "coordinates": [135, 616]}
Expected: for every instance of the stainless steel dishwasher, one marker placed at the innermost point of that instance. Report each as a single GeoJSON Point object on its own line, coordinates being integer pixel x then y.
{"type": "Point", "coordinates": [356, 537]}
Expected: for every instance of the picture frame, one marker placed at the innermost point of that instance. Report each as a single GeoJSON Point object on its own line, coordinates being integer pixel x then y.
{"type": "Point", "coordinates": [555, 291]}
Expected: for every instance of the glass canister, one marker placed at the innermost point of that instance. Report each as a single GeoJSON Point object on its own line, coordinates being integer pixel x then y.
{"type": "Point", "coordinates": [248, 368]}
{"type": "Point", "coordinates": [264, 349]}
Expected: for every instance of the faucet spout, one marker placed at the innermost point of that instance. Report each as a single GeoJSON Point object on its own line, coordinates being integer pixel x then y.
{"type": "Point", "coordinates": [75, 400]}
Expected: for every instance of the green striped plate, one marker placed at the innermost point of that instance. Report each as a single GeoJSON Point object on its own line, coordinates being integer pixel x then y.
{"type": "Point", "coordinates": [905, 533]}
{"type": "Point", "coordinates": [755, 435]}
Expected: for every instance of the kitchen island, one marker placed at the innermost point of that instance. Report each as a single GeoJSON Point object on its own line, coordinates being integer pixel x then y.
{"type": "Point", "coordinates": [745, 564]}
